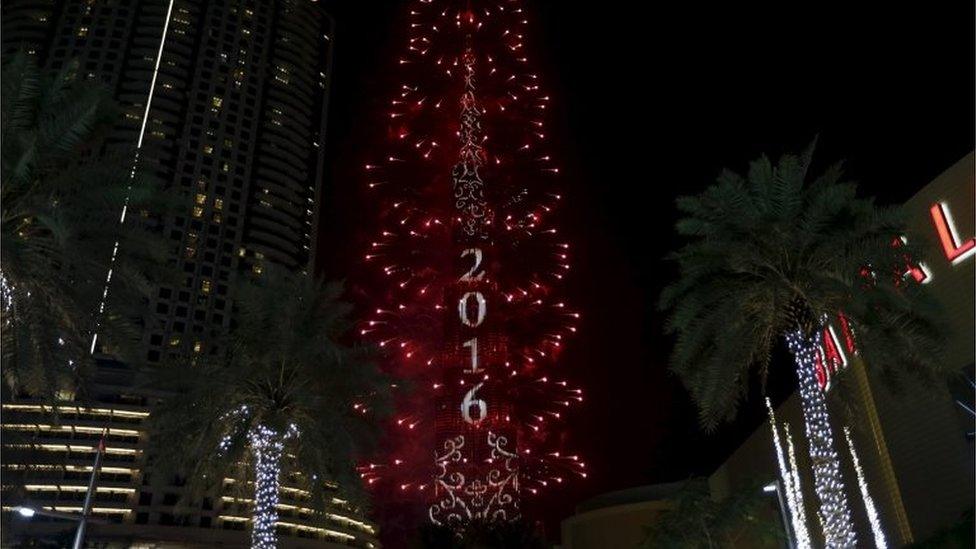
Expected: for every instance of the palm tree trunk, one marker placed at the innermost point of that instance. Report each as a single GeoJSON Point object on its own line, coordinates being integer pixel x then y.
{"type": "Point", "coordinates": [828, 481]}
{"type": "Point", "coordinates": [267, 446]}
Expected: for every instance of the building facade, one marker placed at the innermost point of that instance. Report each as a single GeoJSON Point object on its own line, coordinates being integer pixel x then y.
{"type": "Point", "coordinates": [617, 519]}
{"type": "Point", "coordinates": [226, 103]}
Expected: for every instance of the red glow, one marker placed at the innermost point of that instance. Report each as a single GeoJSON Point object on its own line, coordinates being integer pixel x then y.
{"type": "Point", "coordinates": [954, 251]}
{"type": "Point", "coordinates": [511, 293]}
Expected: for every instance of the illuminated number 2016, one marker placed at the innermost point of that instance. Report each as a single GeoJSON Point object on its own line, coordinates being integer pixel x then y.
{"type": "Point", "coordinates": [463, 309]}
{"type": "Point", "coordinates": [471, 402]}
{"type": "Point", "coordinates": [464, 314]}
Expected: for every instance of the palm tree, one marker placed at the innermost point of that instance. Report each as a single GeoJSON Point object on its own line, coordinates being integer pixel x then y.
{"type": "Point", "coordinates": [283, 393]}
{"type": "Point", "coordinates": [62, 196]}
{"type": "Point", "coordinates": [770, 256]}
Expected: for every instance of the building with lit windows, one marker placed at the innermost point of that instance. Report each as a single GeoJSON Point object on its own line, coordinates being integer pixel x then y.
{"type": "Point", "coordinates": [227, 101]}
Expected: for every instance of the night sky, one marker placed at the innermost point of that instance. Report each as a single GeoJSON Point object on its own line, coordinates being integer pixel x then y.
{"type": "Point", "coordinates": [651, 101]}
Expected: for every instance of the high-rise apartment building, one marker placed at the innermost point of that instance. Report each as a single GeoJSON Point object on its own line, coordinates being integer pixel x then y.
{"type": "Point", "coordinates": [226, 101]}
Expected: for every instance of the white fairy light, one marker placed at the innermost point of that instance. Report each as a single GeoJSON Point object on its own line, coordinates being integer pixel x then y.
{"type": "Point", "coordinates": [794, 500]}
{"type": "Point", "coordinates": [835, 513]}
{"type": "Point", "coordinates": [6, 297]}
{"type": "Point", "coordinates": [879, 537]}
{"type": "Point", "coordinates": [801, 509]}
{"type": "Point", "coordinates": [267, 446]}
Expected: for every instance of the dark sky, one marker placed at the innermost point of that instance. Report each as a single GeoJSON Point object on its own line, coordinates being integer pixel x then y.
{"type": "Point", "coordinates": [651, 100]}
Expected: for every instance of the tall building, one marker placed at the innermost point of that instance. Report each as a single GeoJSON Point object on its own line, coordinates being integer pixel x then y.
{"type": "Point", "coordinates": [226, 102]}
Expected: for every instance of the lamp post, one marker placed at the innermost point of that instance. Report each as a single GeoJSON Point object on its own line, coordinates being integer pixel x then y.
{"type": "Point", "coordinates": [79, 540]}
{"type": "Point", "coordinates": [86, 507]}
{"type": "Point", "coordinates": [784, 515]}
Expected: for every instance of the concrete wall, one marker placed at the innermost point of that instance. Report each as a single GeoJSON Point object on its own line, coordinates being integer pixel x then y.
{"type": "Point", "coordinates": [618, 526]}
{"type": "Point", "coordinates": [924, 427]}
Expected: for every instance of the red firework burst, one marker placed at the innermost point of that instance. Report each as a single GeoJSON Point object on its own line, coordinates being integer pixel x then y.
{"type": "Point", "coordinates": [467, 268]}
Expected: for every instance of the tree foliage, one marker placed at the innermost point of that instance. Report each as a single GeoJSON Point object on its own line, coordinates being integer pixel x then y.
{"type": "Point", "coordinates": [62, 195]}
{"type": "Point", "coordinates": [760, 245]}
{"type": "Point", "coordinates": [285, 361]}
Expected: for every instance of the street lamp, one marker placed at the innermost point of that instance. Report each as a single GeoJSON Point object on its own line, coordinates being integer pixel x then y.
{"type": "Point", "coordinates": [29, 512]}
{"type": "Point", "coordinates": [25, 512]}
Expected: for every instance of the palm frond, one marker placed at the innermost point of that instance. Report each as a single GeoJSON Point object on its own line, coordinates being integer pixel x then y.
{"type": "Point", "coordinates": [61, 200]}
{"type": "Point", "coordinates": [759, 244]}
{"type": "Point", "coordinates": [284, 366]}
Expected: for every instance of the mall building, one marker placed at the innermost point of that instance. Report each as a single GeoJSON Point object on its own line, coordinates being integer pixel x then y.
{"type": "Point", "coordinates": [915, 444]}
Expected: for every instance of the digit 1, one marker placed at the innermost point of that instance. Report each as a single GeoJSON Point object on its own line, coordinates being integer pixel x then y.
{"type": "Point", "coordinates": [473, 343]}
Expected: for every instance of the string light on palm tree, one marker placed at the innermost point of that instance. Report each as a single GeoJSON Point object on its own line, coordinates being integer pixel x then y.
{"type": "Point", "coordinates": [794, 495]}
{"type": "Point", "coordinates": [284, 397]}
{"type": "Point", "coordinates": [879, 536]}
{"type": "Point", "coordinates": [828, 479]}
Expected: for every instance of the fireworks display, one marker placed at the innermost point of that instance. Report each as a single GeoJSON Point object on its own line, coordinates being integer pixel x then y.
{"type": "Point", "coordinates": [466, 265]}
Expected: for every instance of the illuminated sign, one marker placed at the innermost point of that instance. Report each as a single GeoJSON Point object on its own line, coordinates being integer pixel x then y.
{"type": "Point", "coordinates": [917, 270]}
{"type": "Point", "coordinates": [954, 251]}
{"type": "Point", "coordinates": [834, 351]}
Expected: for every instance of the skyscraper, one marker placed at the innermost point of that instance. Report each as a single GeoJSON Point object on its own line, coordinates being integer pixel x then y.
{"type": "Point", "coordinates": [468, 267]}
{"type": "Point", "coordinates": [226, 103]}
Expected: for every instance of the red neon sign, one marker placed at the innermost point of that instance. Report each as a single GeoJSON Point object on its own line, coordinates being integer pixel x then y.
{"type": "Point", "coordinates": [916, 270]}
{"type": "Point", "coordinates": [954, 251]}
{"type": "Point", "coordinates": [833, 352]}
